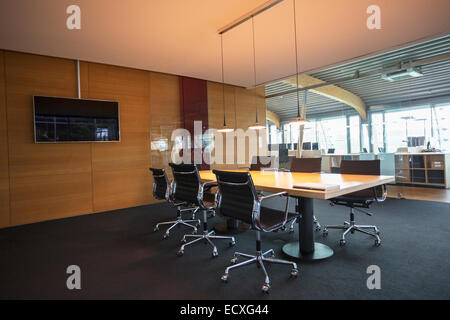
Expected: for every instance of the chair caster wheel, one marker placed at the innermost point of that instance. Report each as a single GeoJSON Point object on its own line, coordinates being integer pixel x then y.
{"type": "Point", "coordinates": [318, 228]}
{"type": "Point", "coordinates": [291, 230]}
{"type": "Point", "coordinates": [234, 260]}
{"type": "Point", "coordinates": [232, 243]}
{"type": "Point", "coordinates": [377, 243]}
{"type": "Point", "coordinates": [377, 233]}
{"type": "Point", "coordinates": [183, 240]}
{"type": "Point", "coordinates": [265, 288]}
{"type": "Point", "coordinates": [342, 242]}
{"type": "Point", "coordinates": [325, 233]}
{"type": "Point", "coordinates": [155, 229]}
{"type": "Point", "coordinates": [194, 232]}
{"type": "Point", "coordinates": [215, 253]}
{"type": "Point", "coordinates": [165, 236]}
{"type": "Point", "coordinates": [224, 278]}
{"type": "Point", "coordinates": [294, 273]}
{"type": "Point", "coordinates": [180, 253]}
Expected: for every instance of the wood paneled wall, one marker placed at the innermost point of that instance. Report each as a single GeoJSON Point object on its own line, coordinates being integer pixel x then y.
{"type": "Point", "coordinates": [4, 164]}
{"type": "Point", "coordinates": [240, 110]}
{"type": "Point", "coordinates": [49, 181]}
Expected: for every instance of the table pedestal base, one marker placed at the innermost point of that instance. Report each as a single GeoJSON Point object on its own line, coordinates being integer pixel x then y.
{"type": "Point", "coordinates": [320, 252]}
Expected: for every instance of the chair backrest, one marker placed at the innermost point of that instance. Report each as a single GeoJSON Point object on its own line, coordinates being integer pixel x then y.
{"type": "Point", "coordinates": [237, 195]}
{"type": "Point", "coordinates": [259, 162]}
{"type": "Point", "coordinates": [187, 183]}
{"type": "Point", "coordinates": [160, 184]}
{"type": "Point", "coordinates": [363, 167]}
{"type": "Point", "coordinates": [306, 165]}
{"type": "Point", "coordinates": [368, 167]}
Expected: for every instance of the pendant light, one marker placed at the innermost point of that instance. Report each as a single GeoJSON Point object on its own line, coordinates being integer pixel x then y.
{"type": "Point", "coordinates": [299, 120]}
{"type": "Point", "coordinates": [256, 125]}
{"type": "Point", "coordinates": [225, 128]}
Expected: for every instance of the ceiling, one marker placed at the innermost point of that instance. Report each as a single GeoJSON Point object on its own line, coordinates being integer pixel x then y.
{"type": "Point", "coordinates": [180, 37]}
{"type": "Point", "coordinates": [373, 90]}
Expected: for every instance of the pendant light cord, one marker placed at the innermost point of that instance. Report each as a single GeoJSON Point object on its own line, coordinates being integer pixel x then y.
{"type": "Point", "coordinates": [254, 65]}
{"type": "Point", "coordinates": [296, 61]}
{"type": "Point", "coordinates": [223, 82]}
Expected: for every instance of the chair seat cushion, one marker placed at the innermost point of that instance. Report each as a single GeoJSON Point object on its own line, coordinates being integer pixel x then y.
{"type": "Point", "coordinates": [351, 199]}
{"type": "Point", "coordinates": [272, 217]}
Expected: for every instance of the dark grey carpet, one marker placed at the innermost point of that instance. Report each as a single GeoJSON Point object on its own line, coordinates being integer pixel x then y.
{"type": "Point", "coordinates": [122, 258]}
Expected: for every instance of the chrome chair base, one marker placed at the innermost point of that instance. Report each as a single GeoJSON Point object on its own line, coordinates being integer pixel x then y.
{"type": "Point", "coordinates": [259, 259]}
{"type": "Point", "coordinates": [180, 221]}
{"type": "Point", "coordinates": [352, 227]}
{"type": "Point", "coordinates": [316, 224]}
{"type": "Point", "coordinates": [206, 236]}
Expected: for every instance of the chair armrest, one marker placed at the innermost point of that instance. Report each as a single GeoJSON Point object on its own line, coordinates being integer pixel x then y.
{"type": "Point", "coordinates": [210, 184]}
{"type": "Point", "coordinates": [286, 211]}
{"type": "Point", "coordinates": [279, 194]}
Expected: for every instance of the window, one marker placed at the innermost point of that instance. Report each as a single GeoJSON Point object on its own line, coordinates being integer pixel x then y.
{"type": "Point", "coordinates": [441, 127]}
{"type": "Point", "coordinates": [377, 131]}
{"type": "Point", "coordinates": [405, 124]}
{"type": "Point", "coordinates": [355, 145]}
{"type": "Point", "coordinates": [332, 133]}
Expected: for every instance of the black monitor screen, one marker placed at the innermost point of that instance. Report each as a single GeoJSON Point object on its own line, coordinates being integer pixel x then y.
{"type": "Point", "coordinates": [315, 146]}
{"type": "Point", "coordinates": [75, 120]}
{"type": "Point", "coordinates": [306, 145]}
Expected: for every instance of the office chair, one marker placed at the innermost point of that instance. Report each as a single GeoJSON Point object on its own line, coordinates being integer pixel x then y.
{"type": "Point", "coordinates": [238, 199]}
{"type": "Point", "coordinates": [187, 187]}
{"type": "Point", "coordinates": [161, 191]}
{"type": "Point", "coordinates": [311, 165]}
{"type": "Point", "coordinates": [359, 199]}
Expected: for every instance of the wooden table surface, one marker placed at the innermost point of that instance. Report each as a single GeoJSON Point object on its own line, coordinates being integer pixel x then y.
{"type": "Point", "coordinates": [270, 181]}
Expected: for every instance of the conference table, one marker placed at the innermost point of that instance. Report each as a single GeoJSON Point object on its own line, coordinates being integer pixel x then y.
{"type": "Point", "coordinates": [306, 248]}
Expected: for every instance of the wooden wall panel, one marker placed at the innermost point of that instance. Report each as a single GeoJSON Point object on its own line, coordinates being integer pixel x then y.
{"type": "Point", "coordinates": [4, 170]}
{"type": "Point", "coordinates": [47, 180]}
{"type": "Point", "coordinates": [240, 111]}
{"type": "Point", "coordinates": [247, 102]}
{"type": "Point", "coordinates": [165, 116]}
{"type": "Point", "coordinates": [215, 118]}
{"type": "Point", "coordinates": [120, 169]}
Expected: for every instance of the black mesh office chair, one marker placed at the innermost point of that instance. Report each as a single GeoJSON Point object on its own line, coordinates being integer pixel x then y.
{"type": "Point", "coordinates": [161, 191]}
{"type": "Point", "coordinates": [238, 199]}
{"type": "Point", "coordinates": [359, 199]}
{"type": "Point", "coordinates": [310, 165]}
{"type": "Point", "coordinates": [188, 188]}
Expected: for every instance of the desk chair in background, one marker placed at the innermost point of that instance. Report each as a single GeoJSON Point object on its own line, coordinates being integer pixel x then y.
{"type": "Point", "coordinates": [359, 199]}
{"type": "Point", "coordinates": [238, 199]}
{"type": "Point", "coordinates": [260, 162]}
{"type": "Point", "coordinates": [188, 188]}
{"type": "Point", "coordinates": [162, 191]}
{"type": "Point", "coordinates": [310, 165]}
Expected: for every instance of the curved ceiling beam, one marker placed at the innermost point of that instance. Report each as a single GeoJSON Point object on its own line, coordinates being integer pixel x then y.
{"type": "Point", "coordinates": [331, 91]}
{"type": "Point", "coordinates": [272, 116]}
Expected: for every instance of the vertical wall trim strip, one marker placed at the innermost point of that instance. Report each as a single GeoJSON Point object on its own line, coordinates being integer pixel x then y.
{"type": "Point", "coordinates": [7, 136]}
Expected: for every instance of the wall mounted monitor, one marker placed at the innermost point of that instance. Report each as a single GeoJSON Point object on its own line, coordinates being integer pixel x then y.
{"type": "Point", "coordinates": [75, 120]}
{"type": "Point", "coordinates": [315, 146]}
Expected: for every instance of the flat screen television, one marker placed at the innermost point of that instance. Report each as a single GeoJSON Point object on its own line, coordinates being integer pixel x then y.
{"type": "Point", "coordinates": [75, 120]}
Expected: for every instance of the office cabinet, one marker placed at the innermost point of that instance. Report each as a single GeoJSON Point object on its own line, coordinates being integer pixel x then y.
{"type": "Point", "coordinates": [431, 169]}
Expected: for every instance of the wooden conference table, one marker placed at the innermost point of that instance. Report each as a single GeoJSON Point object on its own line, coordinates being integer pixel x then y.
{"type": "Point", "coordinates": [270, 181]}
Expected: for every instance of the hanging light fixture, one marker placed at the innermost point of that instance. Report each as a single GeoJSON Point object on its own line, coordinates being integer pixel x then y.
{"type": "Point", "coordinates": [256, 125]}
{"type": "Point", "coordinates": [299, 120]}
{"type": "Point", "coordinates": [225, 128]}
